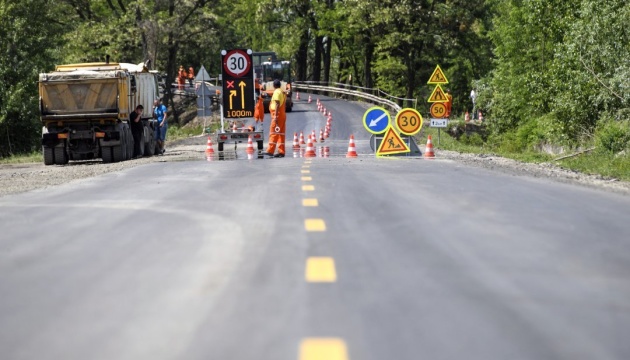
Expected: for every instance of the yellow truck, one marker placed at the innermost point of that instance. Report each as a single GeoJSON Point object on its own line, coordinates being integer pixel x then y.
{"type": "Point", "coordinates": [85, 108]}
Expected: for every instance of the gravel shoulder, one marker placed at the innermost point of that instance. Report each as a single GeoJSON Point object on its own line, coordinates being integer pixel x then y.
{"type": "Point", "coordinates": [17, 178]}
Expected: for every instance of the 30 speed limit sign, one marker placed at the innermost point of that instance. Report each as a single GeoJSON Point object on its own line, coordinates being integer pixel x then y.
{"type": "Point", "coordinates": [409, 121]}
{"type": "Point", "coordinates": [236, 63]}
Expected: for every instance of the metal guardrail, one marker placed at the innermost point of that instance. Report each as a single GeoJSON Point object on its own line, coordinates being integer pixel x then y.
{"type": "Point", "coordinates": [359, 94]}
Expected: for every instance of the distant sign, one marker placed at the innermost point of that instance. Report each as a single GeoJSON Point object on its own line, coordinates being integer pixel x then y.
{"type": "Point", "coordinates": [409, 121]}
{"type": "Point", "coordinates": [376, 120]}
{"type": "Point", "coordinates": [392, 144]}
{"type": "Point", "coordinates": [438, 77]}
{"type": "Point", "coordinates": [438, 95]}
{"type": "Point", "coordinates": [202, 75]}
{"type": "Point", "coordinates": [439, 123]}
{"type": "Point", "coordinates": [438, 110]}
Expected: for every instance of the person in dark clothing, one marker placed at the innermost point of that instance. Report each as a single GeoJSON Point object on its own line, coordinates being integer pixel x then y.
{"type": "Point", "coordinates": [135, 118]}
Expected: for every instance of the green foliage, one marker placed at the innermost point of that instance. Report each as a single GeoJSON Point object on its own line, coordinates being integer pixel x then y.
{"type": "Point", "coordinates": [612, 136]}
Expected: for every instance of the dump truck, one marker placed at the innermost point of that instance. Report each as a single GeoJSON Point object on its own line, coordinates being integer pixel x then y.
{"type": "Point", "coordinates": [85, 108]}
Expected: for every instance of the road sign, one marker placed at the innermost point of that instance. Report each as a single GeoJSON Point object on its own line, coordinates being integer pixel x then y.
{"type": "Point", "coordinates": [439, 123]}
{"type": "Point", "coordinates": [202, 75]}
{"type": "Point", "coordinates": [376, 120]}
{"type": "Point", "coordinates": [409, 121]}
{"type": "Point", "coordinates": [237, 63]}
{"type": "Point", "coordinates": [438, 95]}
{"type": "Point", "coordinates": [238, 83]}
{"type": "Point", "coordinates": [392, 144]}
{"type": "Point", "coordinates": [438, 110]}
{"type": "Point", "coordinates": [438, 76]}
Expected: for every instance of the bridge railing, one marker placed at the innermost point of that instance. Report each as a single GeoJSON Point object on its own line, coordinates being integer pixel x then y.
{"type": "Point", "coordinates": [353, 91]}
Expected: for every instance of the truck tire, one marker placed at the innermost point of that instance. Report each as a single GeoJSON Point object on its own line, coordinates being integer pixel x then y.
{"type": "Point", "coordinates": [107, 154]}
{"type": "Point", "coordinates": [260, 144]}
{"type": "Point", "coordinates": [61, 157]}
{"type": "Point", "coordinates": [118, 152]}
{"type": "Point", "coordinates": [49, 155]}
{"type": "Point", "coordinates": [149, 146]}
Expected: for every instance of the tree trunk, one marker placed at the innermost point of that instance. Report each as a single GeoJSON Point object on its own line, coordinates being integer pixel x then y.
{"type": "Point", "coordinates": [301, 57]}
{"type": "Point", "coordinates": [327, 57]}
{"type": "Point", "coordinates": [317, 60]}
{"type": "Point", "coordinates": [369, 55]}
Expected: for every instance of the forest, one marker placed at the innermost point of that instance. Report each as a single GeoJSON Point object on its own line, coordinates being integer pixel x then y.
{"type": "Point", "coordinates": [546, 71]}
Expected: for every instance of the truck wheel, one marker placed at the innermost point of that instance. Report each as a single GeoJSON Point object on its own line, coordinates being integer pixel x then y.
{"type": "Point", "coordinates": [49, 156]}
{"type": "Point", "coordinates": [61, 157]}
{"type": "Point", "coordinates": [107, 154]}
{"type": "Point", "coordinates": [260, 144]}
{"type": "Point", "coordinates": [118, 152]}
{"type": "Point", "coordinates": [149, 147]}
{"type": "Point", "coordinates": [220, 146]}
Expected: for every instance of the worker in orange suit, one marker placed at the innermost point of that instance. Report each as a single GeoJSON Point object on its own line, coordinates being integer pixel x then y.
{"type": "Point", "coordinates": [278, 120]}
{"type": "Point", "coordinates": [181, 77]}
{"type": "Point", "coordinates": [191, 76]}
{"type": "Point", "coordinates": [449, 103]}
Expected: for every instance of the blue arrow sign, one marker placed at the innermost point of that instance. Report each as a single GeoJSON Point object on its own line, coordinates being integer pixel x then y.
{"type": "Point", "coordinates": [376, 120]}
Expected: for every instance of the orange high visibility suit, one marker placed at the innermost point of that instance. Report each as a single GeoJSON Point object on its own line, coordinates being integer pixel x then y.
{"type": "Point", "coordinates": [181, 78]}
{"type": "Point", "coordinates": [449, 104]}
{"type": "Point", "coordinates": [191, 76]}
{"type": "Point", "coordinates": [277, 129]}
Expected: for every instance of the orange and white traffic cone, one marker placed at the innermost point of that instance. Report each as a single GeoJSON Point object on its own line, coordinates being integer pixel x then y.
{"type": "Point", "coordinates": [318, 102]}
{"type": "Point", "coordinates": [296, 144]}
{"type": "Point", "coordinates": [467, 117]}
{"type": "Point", "coordinates": [250, 145]}
{"type": "Point", "coordinates": [326, 133]}
{"type": "Point", "coordinates": [310, 149]}
{"type": "Point", "coordinates": [352, 149]}
{"type": "Point", "coordinates": [428, 151]}
{"type": "Point", "coordinates": [302, 138]}
{"type": "Point", "coordinates": [326, 151]}
{"type": "Point", "coordinates": [321, 135]}
{"type": "Point", "coordinates": [209, 149]}
{"type": "Point", "coordinates": [314, 136]}
{"type": "Point", "coordinates": [310, 99]}
{"type": "Point", "coordinates": [297, 96]}
{"type": "Point", "coordinates": [234, 127]}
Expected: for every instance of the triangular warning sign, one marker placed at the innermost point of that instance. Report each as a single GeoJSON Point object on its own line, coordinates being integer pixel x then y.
{"type": "Point", "coordinates": [438, 76]}
{"type": "Point", "coordinates": [202, 75]}
{"type": "Point", "coordinates": [392, 144]}
{"type": "Point", "coordinates": [438, 95]}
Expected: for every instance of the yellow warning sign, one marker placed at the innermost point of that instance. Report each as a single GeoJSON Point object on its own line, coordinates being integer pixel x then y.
{"type": "Point", "coordinates": [438, 76]}
{"type": "Point", "coordinates": [438, 95]}
{"type": "Point", "coordinates": [392, 144]}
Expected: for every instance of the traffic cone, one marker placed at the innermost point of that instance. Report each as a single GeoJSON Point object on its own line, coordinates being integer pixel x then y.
{"type": "Point", "coordinates": [318, 102]}
{"type": "Point", "coordinates": [297, 96]}
{"type": "Point", "coordinates": [428, 152]}
{"type": "Point", "coordinates": [250, 145]}
{"type": "Point", "coordinates": [302, 138]}
{"type": "Point", "coordinates": [313, 136]}
{"type": "Point", "coordinates": [234, 127]}
{"type": "Point", "coordinates": [352, 150]}
{"type": "Point", "coordinates": [321, 135]}
{"type": "Point", "coordinates": [467, 117]}
{"type": "Point", "coordinates": [326, 133]}
{"type": "Point", "coordinates": [326, 151]}
{"type": "Point", "coordinates": [310, 99]}
{"type": "Point", "coordinates": [209, 149]}
{"type": "Point", "coordinates": [310, 150]}
{"type": "Point", "coordinates": [296, 144]}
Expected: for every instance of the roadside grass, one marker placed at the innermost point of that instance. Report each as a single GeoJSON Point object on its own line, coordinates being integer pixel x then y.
{"type": "Point", "coordinates": [176, 132]}
{"type": "Point", "coordinates": [34, 157]}
{"type": "Point", "coordinates": [596, 163]}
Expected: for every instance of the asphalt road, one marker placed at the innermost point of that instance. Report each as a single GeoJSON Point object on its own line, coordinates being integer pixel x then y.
{"type": "Point", "coordinates": [322, 258]}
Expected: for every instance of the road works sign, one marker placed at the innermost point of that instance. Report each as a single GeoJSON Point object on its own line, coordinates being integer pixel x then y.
{"type": "Point", "coordinates": [392, 144]}
{"type": "Point", "coordinates": [438, 76]}
{"type": "Point", "coordinates": [376, 120]}
{"type": "Point", "coordinates": [438, 110]}
{"type": "Point", "coordinates": [238, 83]}
{"type": "Point", "coordinates": [409, 121]}
{"type": "Point", "coordinates": [438, 95]}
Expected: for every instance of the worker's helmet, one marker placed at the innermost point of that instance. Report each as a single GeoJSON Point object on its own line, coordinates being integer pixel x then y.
{"type": "Point", "coordinates": [277, 83]}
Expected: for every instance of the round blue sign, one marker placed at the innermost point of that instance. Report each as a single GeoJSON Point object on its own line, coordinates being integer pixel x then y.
{"type": "Point", "coordinates": [376, 120]}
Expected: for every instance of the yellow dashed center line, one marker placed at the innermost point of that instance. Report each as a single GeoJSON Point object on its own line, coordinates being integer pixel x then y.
{"type": "Point", "coordinates": [306, 171]}
{"type": "Point", "coordinates": [320, 269]}
{"type": "Point", "coordinates": [306, 178]}
{"type": "Point", "coordinates": [308, 188]}
{"type": "Point", "coordinates": [314, 225]}
{"type": "Point", "coordinates": [323, 349]}
{"type": "Point", "coordinates": [310, 202]}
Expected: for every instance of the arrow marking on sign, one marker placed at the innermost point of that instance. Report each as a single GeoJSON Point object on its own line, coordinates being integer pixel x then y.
{"type": "Point", "coordinates": [232, 94]}
{"type": "Point", "coordinates": [375, 121]}
{"type": "Point", "coordinates": [242, 86]}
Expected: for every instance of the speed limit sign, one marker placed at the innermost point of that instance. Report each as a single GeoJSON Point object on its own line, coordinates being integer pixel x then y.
{"type": "Point", "coordinates": [409, 121]}
{"type": "Point", "coordinates": [237, 63]}
{"type": "Point", "coordinates": [438, 110]}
